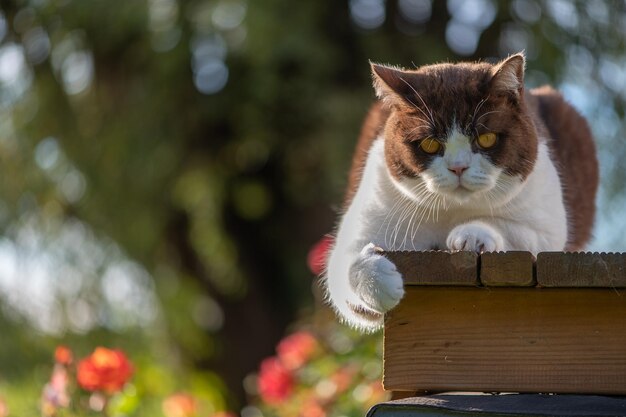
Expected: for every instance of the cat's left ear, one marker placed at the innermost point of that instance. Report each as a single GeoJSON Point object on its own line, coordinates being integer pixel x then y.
{"type": "Point", "coordinates": [392, 85]}
{"type": "Point", "coordinates": [508, 75]}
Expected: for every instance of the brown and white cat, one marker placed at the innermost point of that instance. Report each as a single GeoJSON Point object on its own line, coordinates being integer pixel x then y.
{"type": "Point", "coordinates": [458, 157]}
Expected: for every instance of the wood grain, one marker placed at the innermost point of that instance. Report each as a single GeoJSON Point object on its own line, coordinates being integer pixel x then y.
{"type": "Point", "coordinates": [507, 269]}
{"type": "Point", "coordinates": [507, 339]}
{"type": "Point", "coordinates": [581, 269]}
{"type": "Point", "coordinates": [436, 267]}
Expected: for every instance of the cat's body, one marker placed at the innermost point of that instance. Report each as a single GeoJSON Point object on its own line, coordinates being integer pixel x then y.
{"type": "Point", "coordinates": [459, 157]}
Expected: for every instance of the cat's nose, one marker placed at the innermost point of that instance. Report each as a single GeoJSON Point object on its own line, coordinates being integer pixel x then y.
{"type": "Point", "coordinates": [458, 170]}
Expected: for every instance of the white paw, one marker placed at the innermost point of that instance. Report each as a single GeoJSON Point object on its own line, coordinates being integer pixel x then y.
{"type": "Point", "coordinates": [475, 237]}
{"type": "Point", "coordinates": [375, 280]}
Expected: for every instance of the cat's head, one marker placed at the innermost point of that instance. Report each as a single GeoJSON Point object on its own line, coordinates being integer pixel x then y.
{"type": "Point", "coordinates": [461, 131]}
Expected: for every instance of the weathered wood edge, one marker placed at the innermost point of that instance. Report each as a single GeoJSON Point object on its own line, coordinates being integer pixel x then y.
{"type": "Point", "coordinates": [507, 269]}
{"type": "Point", "coordinates": [436, 267]}
{"type": "Point", "coordinates": [581, 269]}
{"type": "Point", "coordinates": [550, 269]}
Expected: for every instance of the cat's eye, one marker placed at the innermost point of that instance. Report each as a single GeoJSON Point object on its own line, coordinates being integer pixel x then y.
{"type": "Point", "coordinates": [430, 145]}
{"type": "Point", "coordinates": [487, 140]}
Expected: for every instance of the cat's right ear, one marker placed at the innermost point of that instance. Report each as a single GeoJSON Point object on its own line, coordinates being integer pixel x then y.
{"type": "Point", "coordinates": [392, 85]}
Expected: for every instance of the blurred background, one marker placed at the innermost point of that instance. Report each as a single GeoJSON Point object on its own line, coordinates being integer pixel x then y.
{"type": "Point", "coordinates": [167, 165]}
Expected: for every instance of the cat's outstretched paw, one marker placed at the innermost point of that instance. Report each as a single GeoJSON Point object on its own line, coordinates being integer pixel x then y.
{"type": "Point", "coordinates": [475, 237]}
{"type": "Point", "coordinates": [375, 280]}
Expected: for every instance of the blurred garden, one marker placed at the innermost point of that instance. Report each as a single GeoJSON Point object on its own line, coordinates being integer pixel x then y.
{"type": "Point", "coordinates": [169, 168]}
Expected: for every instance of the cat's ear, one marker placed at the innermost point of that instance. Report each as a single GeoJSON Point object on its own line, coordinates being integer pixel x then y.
{"type": "Point", "coordinates": [508, 75]}
{"type": "Point", "coordinates": [392, 85]}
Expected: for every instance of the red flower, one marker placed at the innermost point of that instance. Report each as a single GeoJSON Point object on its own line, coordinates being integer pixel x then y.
{"type": "Point", "coordinates": [275, 382]}
{"type": "Point", "coordinates": [179, 405]}
{"type": "Point", "coordinates": [104, 370]}
{"type": "Point", "coordinates": [63, 355]}
{"type": "Point", "coordinates": [295, 350]}
{"type": "Point", "coordinates": [318, 255]}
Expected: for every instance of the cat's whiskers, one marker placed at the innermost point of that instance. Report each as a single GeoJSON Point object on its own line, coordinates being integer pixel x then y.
{"type": "Point", "coordinates": [488, 113]}
{"type": "Point", "coordinates": [419, 204]}
{"type": "Point", "coordinates": [401, 205]}
{"type": "Point", "coordinates": [404, 211]}
{"type": "Point", "coordinates": [417, 127]}
{"type": "Point", "coordinates": [423, 122]}
{"type": "Point", "coordinates": [431, 118]}
{"type": "Point", "coordinates": [501, 190]}
{"type": "Point", "coordinates": [436, 215]}
{"type": "Point", "coordinates": [419, 196]}
{"type": "Point", "coordinates": [488, 196]}
{"type": "Point", "coordinates": [477, 109]}
{"type": "Point", "coordinates": [432, 205]}
{"type": "Point", "coordinates": [401, 220]}
{"type": "Point", "coordinates": [406, 232]}
{"type": "Point", "coordinates": [415, 226]}
{"type": "Point", "coordinates": [423, 213]}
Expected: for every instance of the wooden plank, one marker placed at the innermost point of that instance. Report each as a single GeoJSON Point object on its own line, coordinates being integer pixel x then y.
{"type": "Point", "coordinates": [507, 339]}
{"type": "Point", "coordinates": [436, 267]}
{"type": "Point", "coordinates": [581, 269]}
{"type": "Point", "coordinates": [507, 269]}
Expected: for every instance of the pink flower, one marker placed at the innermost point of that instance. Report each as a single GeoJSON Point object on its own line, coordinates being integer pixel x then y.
{"type": "Point", "coordinates": [295, 350]}
{"type": "Point", "coordinates": [275, 382]}
{"type": "Point", "coordinates": [318, 255]}
{"type": "Point", "coordinates": [55, 393]}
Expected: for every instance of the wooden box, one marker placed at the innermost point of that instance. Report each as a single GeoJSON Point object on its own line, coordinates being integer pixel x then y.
{"type": "Point", "coordinates": [505, 322]}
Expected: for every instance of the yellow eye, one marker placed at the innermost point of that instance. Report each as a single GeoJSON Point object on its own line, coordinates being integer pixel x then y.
{"type": "Point", "coordinates": [430, 145]}
{"type": "Point", "coordinates": [487, 140]}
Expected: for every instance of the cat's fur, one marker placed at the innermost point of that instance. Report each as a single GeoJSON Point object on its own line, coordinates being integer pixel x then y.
{"type": "Point", "coordinates": [533, 191]}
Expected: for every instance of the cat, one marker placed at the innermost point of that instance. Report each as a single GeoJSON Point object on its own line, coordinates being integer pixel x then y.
{"type": "Point", "coordinates": [458, 157]}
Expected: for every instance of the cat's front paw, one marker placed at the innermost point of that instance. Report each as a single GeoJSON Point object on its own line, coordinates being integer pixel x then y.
{"type": "Point", "coordinates": [375, 280]}
{"type": "Point", "coordinates": [475, 237]}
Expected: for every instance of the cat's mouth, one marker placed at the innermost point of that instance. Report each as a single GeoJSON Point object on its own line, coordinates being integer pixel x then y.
{"type": "Point", "coordinates": [462, 192]}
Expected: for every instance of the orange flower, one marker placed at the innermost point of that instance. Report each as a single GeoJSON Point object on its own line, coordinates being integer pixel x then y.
{"type": "Point", "coordinates": [63, 355]}
{"type": "Point", "coordinates": [104, 370]}
{"type": "Point", "coordinates": [275, 382]}
{"type": "Point", "coordinates": [224, 414]}
{"type": "Point", "coordinates": [179, 405]}
{"type": "Point", "coordinates": [295, 350]}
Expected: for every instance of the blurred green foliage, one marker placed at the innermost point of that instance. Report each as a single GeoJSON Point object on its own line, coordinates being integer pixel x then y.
{"type": "Point", "coordinates": [166, 164]}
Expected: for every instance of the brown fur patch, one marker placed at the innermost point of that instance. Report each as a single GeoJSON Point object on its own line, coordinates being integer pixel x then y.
{"type": "Point", "coordinates": [574, 154]}
{"type": "Point", "coordinates": [372, 126]}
